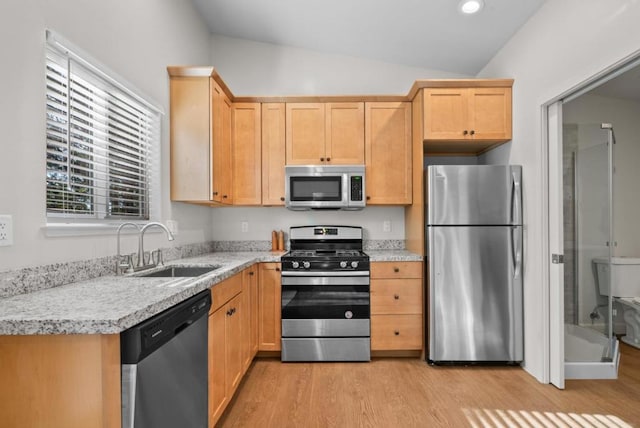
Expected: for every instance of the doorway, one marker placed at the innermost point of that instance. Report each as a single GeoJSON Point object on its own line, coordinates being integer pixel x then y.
{"type": "Point", "coordinates": [594, 147]}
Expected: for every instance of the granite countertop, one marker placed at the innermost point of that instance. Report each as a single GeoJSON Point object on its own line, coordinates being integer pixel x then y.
{"type": "Point", "coordinates": [393, 256]}
{"type": "Point", "coordinates": [111, 304]}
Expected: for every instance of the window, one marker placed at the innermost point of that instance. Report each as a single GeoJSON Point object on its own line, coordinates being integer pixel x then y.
{"type": "Point", "coordinates": [102, 139]}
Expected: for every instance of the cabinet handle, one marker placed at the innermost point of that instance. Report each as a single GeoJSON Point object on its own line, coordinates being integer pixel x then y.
{"type": "Point", "coordinates": [229, 312]}
{"type": "Point", "coordinates": [368, 198]}
{"type": "Point", "coordinates": [224, 196]}
{"type": "Point", "coordinates": [465, 132]}
{"type": "Point", "coordinates": [282, 198]}
{"type": "Point", "coordinates": [321, 159]}
{"type": "Point", "coordinates": [277, 269]}
{"type": "Point", "coordinates": [251, 273]}
{"type": "Point", "coordinates": [328, 159]}
{"type": "Point", "coordinates": [215, 193]}
{"type": "Point", "coordinates": [396, 269]}
{"type": "Point", "coordinates": [472, 132]}
{"type": "Point", "coordinates": [397, 333]}
{"type": "Point", "coordinates": [396, 297]}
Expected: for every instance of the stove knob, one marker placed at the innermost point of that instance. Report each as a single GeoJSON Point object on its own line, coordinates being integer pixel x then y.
{"type": "Point", "coordinates": [295, 265]}
{"type": "Point", "coordinates": [343, 264]}
{"type": "Point", "coordinates": [354, 264]}
{"type": "Point", "coordinates": [306, 265]}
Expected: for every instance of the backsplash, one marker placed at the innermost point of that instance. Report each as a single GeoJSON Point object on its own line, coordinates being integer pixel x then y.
{"type": "Point", "coordinates": [32, 279]}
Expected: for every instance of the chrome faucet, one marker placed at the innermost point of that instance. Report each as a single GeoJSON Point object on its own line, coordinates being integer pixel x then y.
{"type": "Point", "coordinates": [129, 263]}
{"type": "Point", "coordinates": [141, 262]}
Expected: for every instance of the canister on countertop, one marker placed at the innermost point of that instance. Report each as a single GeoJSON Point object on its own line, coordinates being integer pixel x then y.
{"type": "Point", "coordinates": [274, 240]}
{"type": "Point", "coordinates": [280, 240]}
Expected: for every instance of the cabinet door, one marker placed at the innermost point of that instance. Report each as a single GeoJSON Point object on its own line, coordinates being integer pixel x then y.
{"type": "Point", "coordinates": [234, 362]}
{"type": "Point", "coordinates": [221, 147]}
{"type": "Point", "coordinates": [270, 307]}
{"type": "Point", "coordinates": [218, 396]}
{"type": "Point", "coordinates": [254, 304]}
{"type": "Point", "coordinates": [446, 114]}
{"type": "Point", "coordinates": [273, 153]}
{"type": "Point", "coordinates": [190, 140]}
{"type": "Point", "coordinates": [305, 134]}
{"type": "Point", "coordinates": [388, 153]}
{"type": "Point", "coordinates": [490, 113]}
{"type": "Point", "coordinates": [247, 317]}
{"type": "Point", "coordinates": [247, 156]}
{"type": "Point", "coordinates": [344, 133]}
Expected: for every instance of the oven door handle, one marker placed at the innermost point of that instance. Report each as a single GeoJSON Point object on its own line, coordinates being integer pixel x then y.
{"type": "Point", "coordinates": [321, 274]}
{"type": "Point", "coordinates": [324, 280]}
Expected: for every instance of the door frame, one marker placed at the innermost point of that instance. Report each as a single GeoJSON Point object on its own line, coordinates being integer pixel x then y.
{"type": "Point", "coordinates": [553, 318]}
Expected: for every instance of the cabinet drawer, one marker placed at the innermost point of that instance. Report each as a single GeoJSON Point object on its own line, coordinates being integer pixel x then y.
{"type": "Point", "coordinates": [396, 332]}
{"type": "Point", "coordinates": [224, 291]}
{"type": "Point", "coordinates": [396, 296]}
{"type": "Point", "coordinates": [396, 270]}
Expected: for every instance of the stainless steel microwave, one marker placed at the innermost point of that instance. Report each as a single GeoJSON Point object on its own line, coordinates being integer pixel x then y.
{"type": "Point", "coordinates": [324, 187]}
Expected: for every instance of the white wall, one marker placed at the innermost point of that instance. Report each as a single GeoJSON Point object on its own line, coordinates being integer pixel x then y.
{"type": "Point", "coordinates": [262, 69]}
{"type": "Point", "coordinates": [563, 44]}
{"type": "Point", "coordinates": [624, 115]}
{"type": "Point", "coordinates": [137, 40]}
{"type": "Point", "coordinates": [227, 221]}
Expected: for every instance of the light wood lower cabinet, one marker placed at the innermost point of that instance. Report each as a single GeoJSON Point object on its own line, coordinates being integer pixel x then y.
{"type": "Point", "coordinates": [396, 306]}
{"type": "Point", "coordinates": [270, 307]}
{"type": "Point", "coordinates": [60, 381]}
{"type": "Point", "coordinates": [225, 344]}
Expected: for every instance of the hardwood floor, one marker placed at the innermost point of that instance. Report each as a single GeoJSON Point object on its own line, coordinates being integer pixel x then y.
{"type": "Point", "coordinates": [408, 393]}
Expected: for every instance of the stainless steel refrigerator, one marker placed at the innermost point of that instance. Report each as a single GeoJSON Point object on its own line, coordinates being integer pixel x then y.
{"type": "Point", "coordinates": [474, 259]}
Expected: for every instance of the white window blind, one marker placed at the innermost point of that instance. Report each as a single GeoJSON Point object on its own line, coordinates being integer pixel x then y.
{"type": "Point", "coordinates": [100, 142]}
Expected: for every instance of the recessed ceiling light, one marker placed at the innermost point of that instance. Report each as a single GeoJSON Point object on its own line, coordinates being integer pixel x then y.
{"type": "Point", "coordinates": [470, 6]}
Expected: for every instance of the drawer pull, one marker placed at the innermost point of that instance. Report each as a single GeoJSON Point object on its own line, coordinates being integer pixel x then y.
{"type": "Point", "coordinates": [396, 332]}
{"type": "Point", "coordinates": [396, 297]}
{"type": "Point", "coordinates": [396, 269]}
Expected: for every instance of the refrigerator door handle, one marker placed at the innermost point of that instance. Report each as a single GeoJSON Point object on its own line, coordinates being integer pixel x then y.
{"type": "Point", "coordinates": [516, 251]}
{"type": "Point", "coordinates": [515, 198]}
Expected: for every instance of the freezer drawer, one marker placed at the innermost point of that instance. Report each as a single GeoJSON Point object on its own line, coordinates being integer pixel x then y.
{"type": "Point", "coordinates": [475, 294]}
{"type": "Point", "coordinates": [474, 195]}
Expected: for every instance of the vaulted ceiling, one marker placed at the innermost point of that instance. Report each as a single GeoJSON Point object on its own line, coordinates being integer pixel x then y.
{"type": "Point", "coordinates": [430, 34]}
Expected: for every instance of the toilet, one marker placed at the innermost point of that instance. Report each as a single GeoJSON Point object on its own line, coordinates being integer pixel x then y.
{"type": "Point", "coordinates": [625, 289]}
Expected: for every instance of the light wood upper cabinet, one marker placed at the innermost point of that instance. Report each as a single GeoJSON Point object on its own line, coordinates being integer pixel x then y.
{"type": "Point", "coordinates": [273, 153]}
{"type": "Point", "coordinates": [305, 133]}
{"type": "Point", "coordinates": [200, 128]}
{"type": "Point", "coordinates": [324, 133]}
{"type": "Point", "coordinates": [247, 153]}
{"type": "Point", "coordinates": [479, 114]}
{"type": "Point", "coordinates": [189, 123]}
{"type": "Point", "coordinates": [388, 153]}
{"type": "Point", "coordinates": [344, 137]}
{"type": "Point", "coordinates": [221, 154]}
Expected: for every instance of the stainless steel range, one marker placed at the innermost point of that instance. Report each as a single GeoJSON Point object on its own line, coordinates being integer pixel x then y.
{"type": "Point", "coordinates": [325, 295]}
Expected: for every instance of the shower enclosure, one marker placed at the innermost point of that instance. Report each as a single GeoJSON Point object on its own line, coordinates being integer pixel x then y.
{"type": "Point", "coordinates": [591, 349]}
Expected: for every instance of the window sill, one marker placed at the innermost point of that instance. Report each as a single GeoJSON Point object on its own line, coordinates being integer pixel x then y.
{"type": "Point", "coordinates": [55, 230]}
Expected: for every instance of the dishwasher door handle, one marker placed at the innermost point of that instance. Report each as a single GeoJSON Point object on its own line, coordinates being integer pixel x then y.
{"type": "Point", "coordinates": [182, 327]}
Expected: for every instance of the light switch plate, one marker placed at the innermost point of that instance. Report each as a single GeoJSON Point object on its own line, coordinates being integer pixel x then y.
{"type": "Point", "coordinates": [244, 226]}
{"type": "Point", "coordinates": [6, 230]}
{"type": "Point", "coordinates": [386, 226]}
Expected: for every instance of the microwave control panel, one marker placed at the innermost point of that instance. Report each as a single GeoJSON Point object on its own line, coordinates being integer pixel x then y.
{"type": "Point", "coordinates": [356, 188]}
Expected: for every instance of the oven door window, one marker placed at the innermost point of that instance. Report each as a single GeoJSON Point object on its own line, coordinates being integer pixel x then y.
{"type": "Point", "coordinates": [325, 301]}
{"type": "Point", "coordinates": [326, 188]}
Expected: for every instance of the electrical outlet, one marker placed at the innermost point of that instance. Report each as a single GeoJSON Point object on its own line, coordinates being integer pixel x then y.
{"type": "Point", "coordinates": [386, 226]}
{"type": "Point", "coordinates": [172, 225]}
{"type": "Point", "coordinates": [244, 226]}
{"type": "Point", "coordinates": [6, 230]}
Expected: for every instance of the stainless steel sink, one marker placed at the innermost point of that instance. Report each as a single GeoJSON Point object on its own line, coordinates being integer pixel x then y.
{"type": "Point", "coordinates": [180, 271]}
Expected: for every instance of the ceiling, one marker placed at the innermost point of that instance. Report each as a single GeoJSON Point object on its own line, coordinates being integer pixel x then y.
{"type": "Point", "coordinates": [428, 34]}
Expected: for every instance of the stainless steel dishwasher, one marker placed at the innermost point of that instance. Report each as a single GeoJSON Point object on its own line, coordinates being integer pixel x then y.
{"type": "Point", "coordinates": [164, 368]}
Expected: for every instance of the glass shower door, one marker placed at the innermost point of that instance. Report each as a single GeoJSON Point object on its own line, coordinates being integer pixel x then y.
{"type": "Point", "coordinates": [590, 346]}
